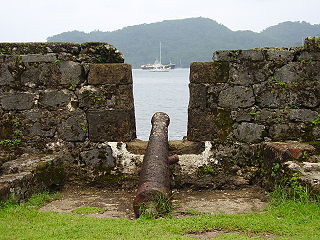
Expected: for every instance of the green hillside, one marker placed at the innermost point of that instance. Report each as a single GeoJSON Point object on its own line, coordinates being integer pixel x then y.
{"type": "Point", "coordinates": [188, 40]}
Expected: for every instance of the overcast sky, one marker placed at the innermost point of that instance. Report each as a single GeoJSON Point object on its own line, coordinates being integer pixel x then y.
{"type": "Point", "coordinates": [35, 20]}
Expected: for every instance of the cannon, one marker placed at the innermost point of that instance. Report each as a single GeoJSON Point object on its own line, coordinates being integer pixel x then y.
{"type": "Point", "coordinates": [153, 194]}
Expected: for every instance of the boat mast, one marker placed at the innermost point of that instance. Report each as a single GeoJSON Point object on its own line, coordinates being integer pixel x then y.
{"type": "Point", "coordinates": [160, 52]}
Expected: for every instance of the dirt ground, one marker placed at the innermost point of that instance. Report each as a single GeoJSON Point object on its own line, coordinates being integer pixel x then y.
{"type": "Point", "coordinates": [118, 203]}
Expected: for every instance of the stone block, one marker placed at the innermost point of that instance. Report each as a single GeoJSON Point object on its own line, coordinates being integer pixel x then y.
{"type": "Point", "coordinates": [41, 124]}
{"type": "Point", "coordinates": [31, 58]}
{"type": "Point", "coordinates": [31, 77]}
{"type": "Point", "coordinates": [198, 96]}
{"type": "Point", "coordinates": [125, 97]}
{"type": "Point", "coordinates": [213, 92]}
{"type": "Point", "coordinates": [312, 43]}
{"type": "Point", "coordinates": [237, 96]}
{"type": "Point", "coordinates": [98, 97]}
{"type": "Point", "coordinates": [309, 174]}
{"type": "Point", "coordinates": [248, 73]}
{"type": "Point", "coordinates": [302, 115]}
{"type": "Point", "coordinates": [54, 99]}
{"type": "Point", "coordinates": [6, 77]}
{"type": "Point", "coordinates": [72, 73]}
{"type": "Point", "coordinates": [38, 129]}
{"type": "Point", "coordinates": [249, 132]}
{"type": "Point", "coordinates": [286, 151]}
{"type": "Point", "coordinates": [289, 73]}
{"type": "Point", "coordinates": [98, 158]}
{"type": "Point", "coordinates": [312, 73]}
{"type": "Point", "coordinates": [201, 125]}
{"type": "Point", "coordinates": [209, 72]}
{"type": "Point", "coordinates": [111, 125]}
{"type": "Point", "coordinates": [277, 98]}
{"type": "Point", "coordinates": [309, 97]}
{"type": "Point", "coordinates": [239, 55]}
{"type": "Point", "coordinates": [309, 56]}
{"type": "Point", "coordinates": [50, 75]}
{"type": "Point", "coordinates": [116, 73]}
{"type": "Point", "coordinates": [175, 147]}
{"type": "Point", "coordinates": [279, 55]}
{"type": "Point", "coordinates": [32, 174]}
{"type": "Point", "coordinates": [242, 115]}
{"type": "Point", "coordinates": [74, 128]}
{"type": "Point", "coordinates": [185, 147]}
{"type": "Point", "coordinates": [287, 131]}
{"type": "Point", "coordinates": [17, 101]}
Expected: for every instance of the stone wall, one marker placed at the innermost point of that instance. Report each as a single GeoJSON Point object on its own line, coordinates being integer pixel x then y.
{"type": "Point", "coordinates": [64, 97]}
{"type": "Point", "coordinates": [265, 94]}
{"type": "Point", "coordinates": [67, 113]}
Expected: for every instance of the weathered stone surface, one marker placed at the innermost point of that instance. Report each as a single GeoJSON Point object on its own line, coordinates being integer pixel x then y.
{"type": "Point", "coordinates": [124, 99]}
{"type": "Point", "coordinates": [40, 130]}
{"type": "Point", "coordinates": [302, 115]}
{"type": "Point", "coordinates": [179, 147]}
{"type": "Point", "coordinates": [280, 55]}
{"type": "Point", "coordinates": [31, 58]}
{"type": "Point", "coordinates": [31, 77]}
{"type": "Point", "coordinates": [309, 56]}
{"type": "Point", "coordinates": [66, 73]}
{"type": "Point", "coordinates": [54, 99]}
{"type": "Point", "coordinates": [200, 125]}
{"type": "Point", "coordinates": [277, 98]}
{"type": "Point", "coordinates": [110, 74]}
{"type": "Point", "coordinates": [249, 132]}
{"type": "Point", "coordinates": [248, 73]}
{"type": "Point", "coordinates": [209, 72]}
{"type": "Point", "coordinates": [6, 77]}
{"type": "Point", "coordinates": [238, 55]}
{"type": "Point", "coordinates": [41, 124]}
{"type": "Point", "coordinates": [309, 174]}
{"type": "Point", "coordinates": [309, 98]}
{"type": "Point", "coordinates": [185, 147]}
{"type": "Point", "coordinates": [289, 73]}
{"type": "Point", "coordinates": [284, 131]}
{"type": "Point", "coordinates": [242, 115]}
{"type": "Point", "coordinates": [111, 125]}
{"type": "Point", "coordinates": [212, 98]}
{"type": "Point", "coordinates": [312, 43]}
{"type": "Point", "coordinates": [286, 151]}
{"type": "Point", "coordinates": [30, 174]}
{"type": "Point", "coordinates": [74, 128]}
{"type": "Point", "coordinates": [99, 158]}
{"type": "Point", "coordinates": [50, 75]}
{"type": "Point", "coordinates": [72, 73]}
{"type": "Point", "coordinates": [17, 101]}
{"type": "Point", "coordinates": [287, 160]}
{"type": "Point", "coordinates": [198, 96]}
{"type": "Point", "coordinates": [90, 52]}
{"type": "Point", "coordinates": [237, 96]}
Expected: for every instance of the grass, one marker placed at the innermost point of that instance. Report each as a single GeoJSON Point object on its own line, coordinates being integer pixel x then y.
{"type": "Point", "coordinates": [88, 210]}
{"type": "Point", "coordinates": [284, 218]}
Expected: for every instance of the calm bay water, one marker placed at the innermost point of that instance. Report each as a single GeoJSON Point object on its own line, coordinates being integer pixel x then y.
{"type": "Point", "coordinates": [161, 92]}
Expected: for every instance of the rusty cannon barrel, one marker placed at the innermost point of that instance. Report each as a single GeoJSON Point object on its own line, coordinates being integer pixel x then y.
{"type": "Point", "coordinates": [154, 183]}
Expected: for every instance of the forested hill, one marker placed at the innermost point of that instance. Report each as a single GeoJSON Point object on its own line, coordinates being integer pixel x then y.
{"type": "Point", "coordinates": [188, 40]}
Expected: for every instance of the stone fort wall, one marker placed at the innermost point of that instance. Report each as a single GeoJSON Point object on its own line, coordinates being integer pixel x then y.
{"type": "Point", "coordinates": [67, 112]}
{"type": "Point", "coordinates": [62, 98]}
{"type": "Point", "coordinates": [266, 94]}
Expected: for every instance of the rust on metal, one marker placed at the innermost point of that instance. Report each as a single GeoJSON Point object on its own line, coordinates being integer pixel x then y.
{"type": "Point", "coordinates": [154, 179]}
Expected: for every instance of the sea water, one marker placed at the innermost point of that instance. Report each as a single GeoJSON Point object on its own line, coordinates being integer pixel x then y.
{"type": "Point", "coordinates": [161, 92]}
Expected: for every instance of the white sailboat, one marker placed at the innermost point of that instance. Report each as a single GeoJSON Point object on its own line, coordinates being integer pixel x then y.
{"type": "Point", "coordinates": [159, 67]}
